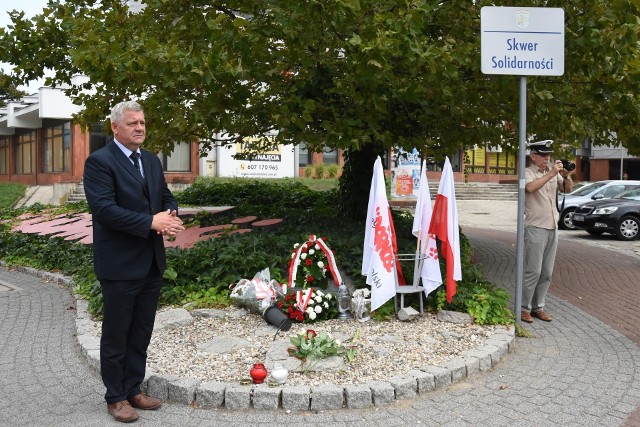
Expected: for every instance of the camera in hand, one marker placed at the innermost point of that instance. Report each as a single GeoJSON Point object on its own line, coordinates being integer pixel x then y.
{"type": "Point", "coordinates": [566, 164]}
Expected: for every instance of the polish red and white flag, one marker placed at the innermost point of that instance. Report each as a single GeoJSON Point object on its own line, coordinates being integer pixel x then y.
{"type": "Point", "coordinates": [444, 225]}
{"type": "Point", "coordinates": [430, 273]}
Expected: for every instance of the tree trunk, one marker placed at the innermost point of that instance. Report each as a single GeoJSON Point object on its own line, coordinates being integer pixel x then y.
{"type": "Point", "coordinates": [355, 181]}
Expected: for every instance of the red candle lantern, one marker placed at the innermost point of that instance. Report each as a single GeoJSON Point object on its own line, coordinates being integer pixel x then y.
{"type": "Point", "coordinates": [258, 373]}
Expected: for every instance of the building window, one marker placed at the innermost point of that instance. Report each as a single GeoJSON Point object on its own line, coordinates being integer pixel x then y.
{"type": "Point", "coordinates": [455, 161]}
{"type": "Point", "coordinates": [97, 138]}
{"type": "Point", "coordinates": [25, 153]}
{"type": "Point", "coordinates": [330, 156]}
{"type": "Point", "coordinates": [304, 157]}
{"type": "Point", "coordinates": [474, 160]}
{"type": "Point", "coordinates": [502, 163]}
{"type": "Point", "coordinates": [56, 148]}
{"type": "Point", "coordinates": [179, 160]}
{"type": "Point", "coordinates": [4, 154]}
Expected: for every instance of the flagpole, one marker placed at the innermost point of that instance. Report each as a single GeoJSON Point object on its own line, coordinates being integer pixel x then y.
{"type": "Point", "coordinates": [417, 267]}
{"type": "Point", "coordinates": [521, 184]}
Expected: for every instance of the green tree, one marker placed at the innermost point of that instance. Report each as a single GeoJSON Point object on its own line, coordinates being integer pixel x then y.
{"type": "Point", "coordinates": [8, 90]}
{"type": "Point", "coordinates": [362, 75]}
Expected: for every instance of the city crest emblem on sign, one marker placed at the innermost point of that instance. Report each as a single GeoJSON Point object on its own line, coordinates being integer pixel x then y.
{"type": "Point", "coordinates": [522, 19]}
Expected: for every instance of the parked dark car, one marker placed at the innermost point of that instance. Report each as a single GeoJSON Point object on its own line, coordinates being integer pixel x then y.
{"type": "Point", "coordinates": [567, 203]}
{"type": "Point", "coordinates": [619, 216]}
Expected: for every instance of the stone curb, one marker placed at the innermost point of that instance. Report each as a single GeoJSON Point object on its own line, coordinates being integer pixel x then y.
{"type": "Point", "coordinates": [215, 395]}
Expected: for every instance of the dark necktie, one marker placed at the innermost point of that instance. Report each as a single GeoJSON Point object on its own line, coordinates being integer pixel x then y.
{"type": "Point", "coordinates": [135, 156]}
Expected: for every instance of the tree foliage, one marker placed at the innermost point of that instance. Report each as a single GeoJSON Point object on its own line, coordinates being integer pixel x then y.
{"type": "Point", "coordinates": [8, 90]}
{"type": "Point", "coordinates": [345, 73]}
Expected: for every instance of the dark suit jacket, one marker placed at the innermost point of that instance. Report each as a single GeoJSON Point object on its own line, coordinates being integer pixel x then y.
{"type": "Point", "coordinates": [122, 204]}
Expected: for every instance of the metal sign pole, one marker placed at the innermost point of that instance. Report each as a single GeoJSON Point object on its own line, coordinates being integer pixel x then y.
{"type": "Point", "coordinates": [521, 166]}
{"type": "Point", "coordinates": [522, 41]}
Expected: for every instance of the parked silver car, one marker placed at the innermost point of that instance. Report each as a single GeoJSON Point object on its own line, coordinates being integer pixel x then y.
{"type": "Point", "coordinates": [567, 203]}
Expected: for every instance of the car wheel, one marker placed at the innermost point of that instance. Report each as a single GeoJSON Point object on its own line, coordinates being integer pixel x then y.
{"type": "Point", "coordinates": [565, 220]}
{"type": "Point", "coordinates": [628, 228]}
{"type": "Point", "coordinates": [595, 232]}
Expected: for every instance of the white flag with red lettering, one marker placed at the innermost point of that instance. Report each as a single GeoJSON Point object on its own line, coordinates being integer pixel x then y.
{"type": "Point", "coordinates": [430, 273]}
{"type": "Point", "coordinates": [378, 252]}
{"type": "Point", "coordinates": [444, 225]}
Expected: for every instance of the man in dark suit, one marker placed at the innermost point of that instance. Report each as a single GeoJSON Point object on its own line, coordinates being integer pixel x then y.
{"type": "Point", "coordinates": [132, 210]}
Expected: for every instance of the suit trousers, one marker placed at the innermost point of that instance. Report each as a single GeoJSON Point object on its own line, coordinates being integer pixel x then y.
{"type": "Point", "coordinates": [129, 314]}
{"type": "Point", "coordinates": [539, 258]}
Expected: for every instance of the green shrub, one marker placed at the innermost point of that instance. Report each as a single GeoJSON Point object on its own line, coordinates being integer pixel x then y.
{"type": "Point", "coordinates": [333, 171]}
{"type": "Point", "coordinates": [320, 168]}
{"type": "Point", "coordinates": [486, 303]}
{"type": "Point", "coordinates": [308, 171]}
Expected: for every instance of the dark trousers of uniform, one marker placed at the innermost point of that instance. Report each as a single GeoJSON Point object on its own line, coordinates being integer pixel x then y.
{"type": "Point", "coordinates": [129, 313]}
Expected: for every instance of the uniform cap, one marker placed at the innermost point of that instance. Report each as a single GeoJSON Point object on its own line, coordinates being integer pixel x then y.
{"type": "Point", "coordinates": [541, 147]}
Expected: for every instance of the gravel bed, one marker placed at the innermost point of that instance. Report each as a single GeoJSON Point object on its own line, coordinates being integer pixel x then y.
{"type": "Point", "coordinates": [383, 349]}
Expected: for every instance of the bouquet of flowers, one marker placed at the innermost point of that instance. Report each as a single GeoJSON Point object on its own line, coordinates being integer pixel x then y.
{"type": "Point", "coordinates": [309, 305]}
{"type": "Point", "coordinates": [310, 347]}
{"type": "Point", "coordinates": [256, 294]}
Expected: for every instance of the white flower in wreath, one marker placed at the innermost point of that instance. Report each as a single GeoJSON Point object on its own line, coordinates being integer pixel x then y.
{"type": "Point", "coordinates": [296, 246]}
{"type": "Point", "coordinates": [309, 310]}
{"type": "Point", "coordinates": [319, 292]}
{"type": "Point", "coordinates": [317, 309]}
{"type": "Point", "coordinates": [312, 316]}
{"type": "Point", "coordinates": [317, 246]}
{"type": "Point", "coordinates": [329, 296]}
{"type": "Point", "coordinates": [303, 256]}
{"type": "Point", "coordinates": [318, 298]}
{"type": "Point", "coordinates": [326, 304]}
{"type": "Point", "coordinates": [311, 252]}
{"type": "Point", "coordinates": [321, 265]}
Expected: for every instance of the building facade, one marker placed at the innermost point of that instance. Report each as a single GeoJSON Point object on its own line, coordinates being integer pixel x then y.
{"type": "Point", "coordinates": [41, 145]}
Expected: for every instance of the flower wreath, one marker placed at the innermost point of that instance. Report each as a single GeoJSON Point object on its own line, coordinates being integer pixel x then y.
{"type": "Point", "coordinates": [309, 305]}
{"type": "Point", "coordinates": [318, 244]}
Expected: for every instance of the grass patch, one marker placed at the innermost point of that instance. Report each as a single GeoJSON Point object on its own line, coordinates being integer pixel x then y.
{"type": "Point", "coordinates": [10, 193]}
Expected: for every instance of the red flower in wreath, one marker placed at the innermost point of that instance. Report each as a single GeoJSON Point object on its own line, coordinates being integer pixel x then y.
{"type": "Point", "coordinates": [308, 262]}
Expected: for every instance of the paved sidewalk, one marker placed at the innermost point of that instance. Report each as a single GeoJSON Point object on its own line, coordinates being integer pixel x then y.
{"type": "Point", "coordinates": [582, 369]}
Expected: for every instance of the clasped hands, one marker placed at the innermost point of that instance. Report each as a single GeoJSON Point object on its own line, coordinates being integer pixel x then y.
{"type": "Point", "coordinates": [167, 223]}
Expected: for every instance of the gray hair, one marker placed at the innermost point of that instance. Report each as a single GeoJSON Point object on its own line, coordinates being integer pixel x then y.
{"type": "Point", "coordinates": [117, 112]}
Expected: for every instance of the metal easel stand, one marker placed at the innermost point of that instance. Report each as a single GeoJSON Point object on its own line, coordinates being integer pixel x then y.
{"type": "Point", "coordinates": [414, 287]}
